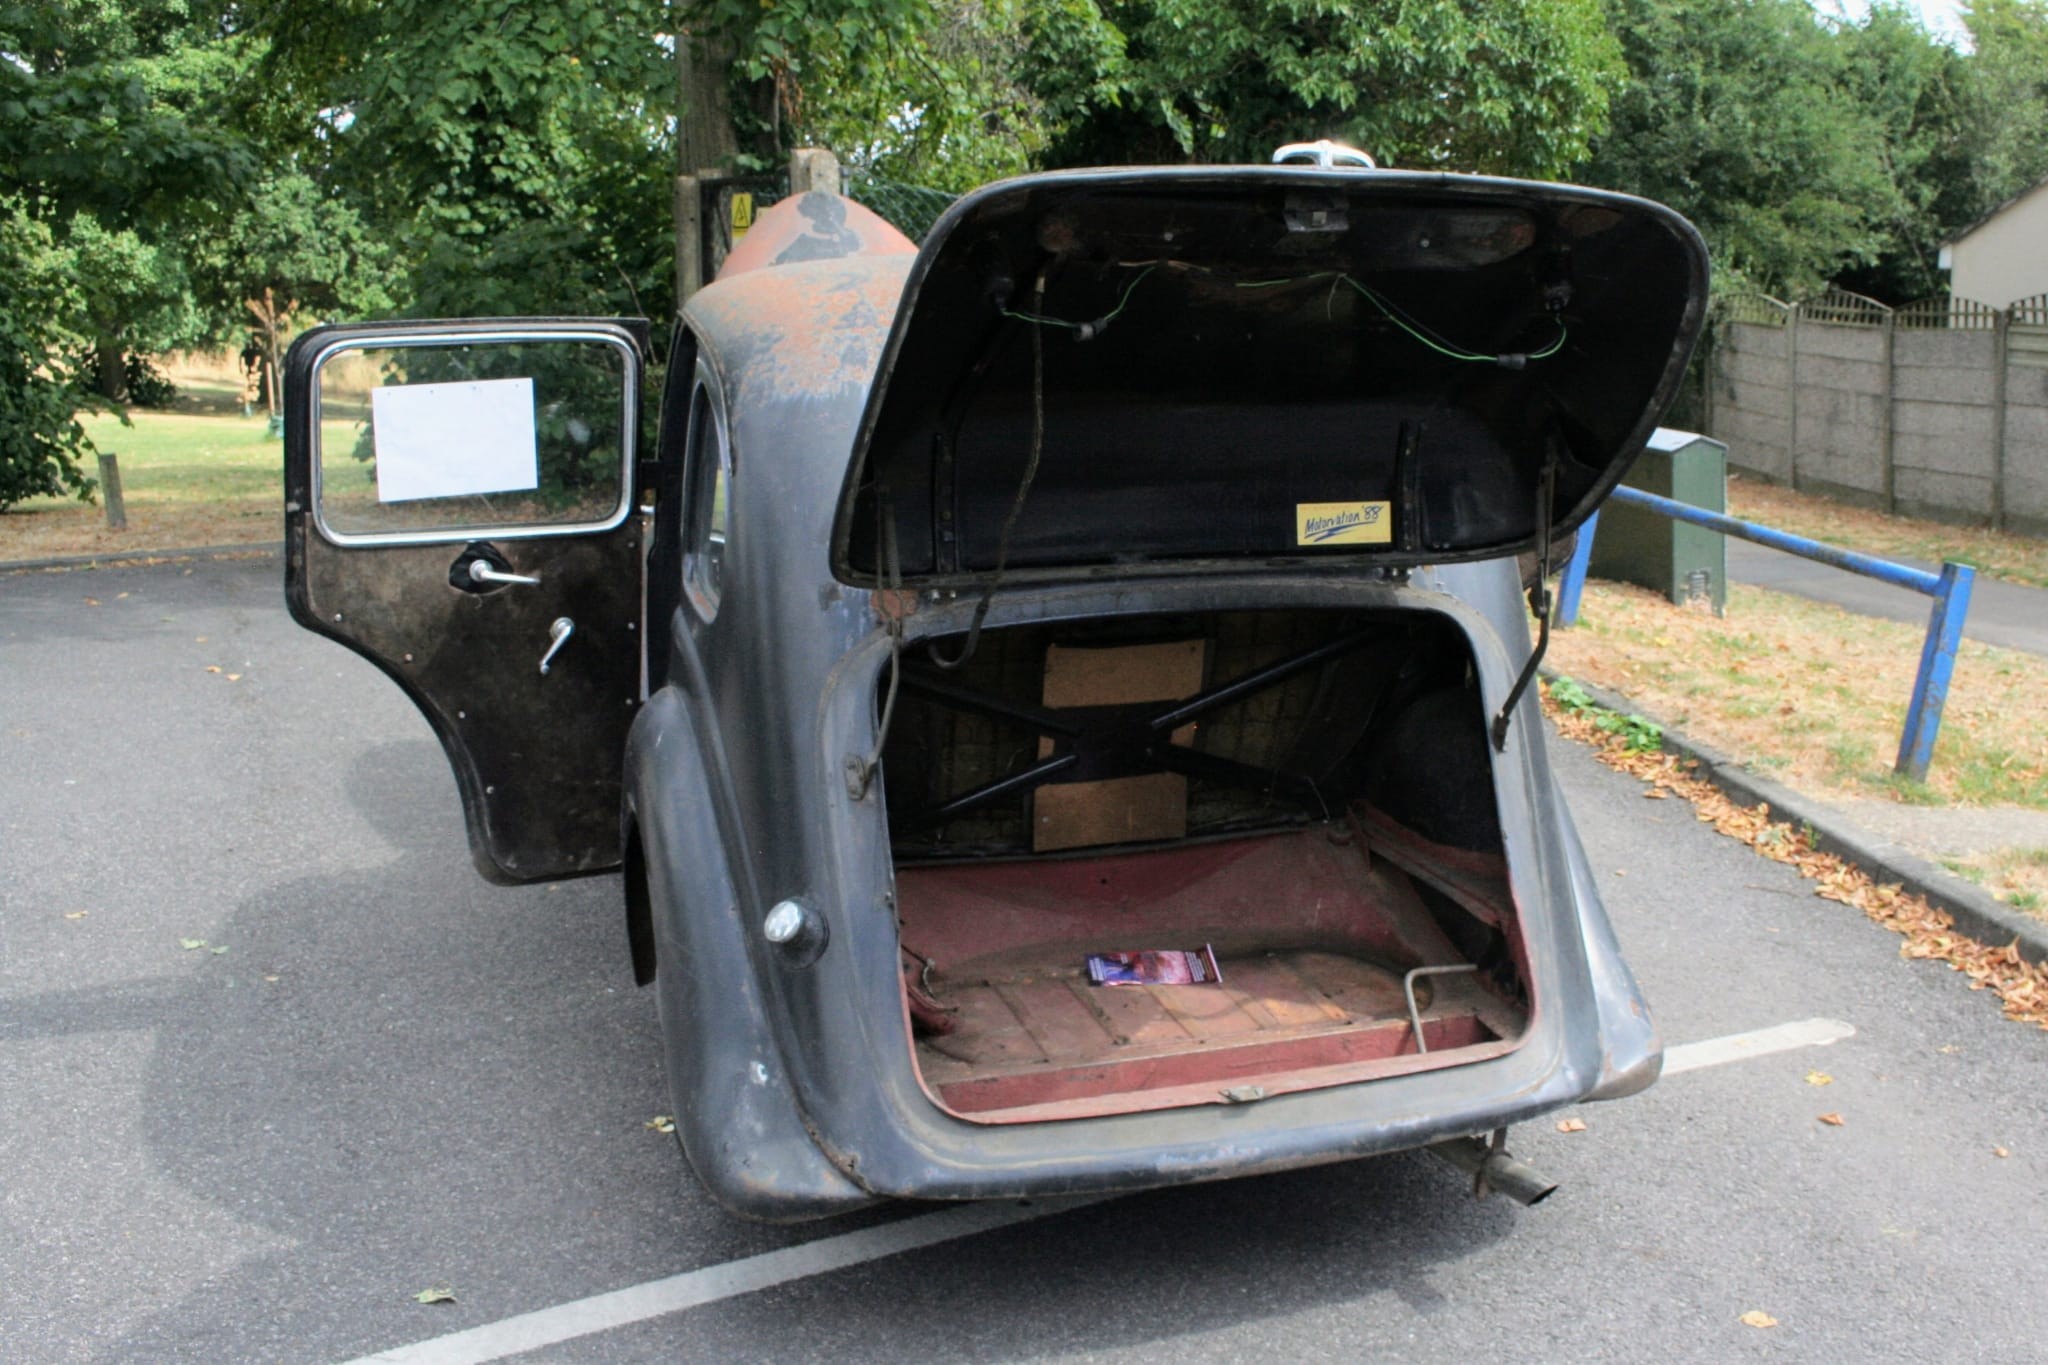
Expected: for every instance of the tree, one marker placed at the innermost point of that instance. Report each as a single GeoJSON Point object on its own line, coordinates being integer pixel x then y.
{"type": "Point", "coordinates": [944, 97]}
{"type": "Point", "coordinates": [110, 133]}
{"type": "Point", "coordinates": [1914, 89]}
{"type": "Point", "coordinates": [1473, 85]}
{"type": "Point", "coordinates": [1739, 117]}
{"type": "Point", "coordinates": [2006, 105]}
{"type": "Point", "coordinates": [41, 441]}
{"type": "Point", "coordinates": [292, 246]}
{"type": "Point", "coordinates": [516, 158]}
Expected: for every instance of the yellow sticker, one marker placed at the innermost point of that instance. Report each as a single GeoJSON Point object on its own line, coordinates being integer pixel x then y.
{"type": "Point", "coordinates": [1342, 523]}
{"type": "Point", "coordinates": [742, 214]}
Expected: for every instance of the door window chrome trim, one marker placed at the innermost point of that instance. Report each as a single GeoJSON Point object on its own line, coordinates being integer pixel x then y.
{"type": "Point", "coordinates": [616, 337]}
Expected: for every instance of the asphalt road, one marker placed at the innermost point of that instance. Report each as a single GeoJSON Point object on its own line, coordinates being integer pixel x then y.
{"type": "Point", "coordinates": [2011, 615]}
{"type": "Point", "coordinates": [398, 1077]}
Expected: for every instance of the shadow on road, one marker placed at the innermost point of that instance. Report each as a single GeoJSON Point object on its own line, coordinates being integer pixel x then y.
{"type": "Point", "coordinates": [399, 1077]}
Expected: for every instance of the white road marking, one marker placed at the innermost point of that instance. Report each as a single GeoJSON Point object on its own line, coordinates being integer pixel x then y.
{"type": "Point", "coordinates": [1737, 1047]}
{"type": "Point", "coordinates": [656, 1298]}
{"type": "Point", "coordinates": [622, 1307]}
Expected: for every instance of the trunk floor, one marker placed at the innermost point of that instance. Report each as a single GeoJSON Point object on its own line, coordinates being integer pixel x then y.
{"type": "Point", "coordinates": [1026, 1037]}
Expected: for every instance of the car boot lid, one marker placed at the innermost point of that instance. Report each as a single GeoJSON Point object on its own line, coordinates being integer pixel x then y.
{"type": "Point", "coordinates": [1103, 370]}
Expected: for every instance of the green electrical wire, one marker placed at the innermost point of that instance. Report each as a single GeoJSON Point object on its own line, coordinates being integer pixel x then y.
{"type": "Point", "coordinates": [1091, 328]}
{"type": "Point", "coordinates": [1414, 329]}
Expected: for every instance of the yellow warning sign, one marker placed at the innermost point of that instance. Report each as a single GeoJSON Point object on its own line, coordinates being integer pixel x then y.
{"type": "Point", "coordinates": [1342, 523]}
{"type": "Point", "coordinates": [742, 213]}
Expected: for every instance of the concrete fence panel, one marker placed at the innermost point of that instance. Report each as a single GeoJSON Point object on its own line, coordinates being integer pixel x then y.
{"type": "Point", "coordinates": [1841, 426]}
{"type": "Point", "coordinates": [1938, 409]}
{"type": "Point", "coordinates": [1750, 396]}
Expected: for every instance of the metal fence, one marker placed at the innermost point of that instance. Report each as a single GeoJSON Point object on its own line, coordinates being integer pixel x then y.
{"type": "Point", "coordinates": [912, 209]}
{"type": "Point", "coordinates": [1949, 588]}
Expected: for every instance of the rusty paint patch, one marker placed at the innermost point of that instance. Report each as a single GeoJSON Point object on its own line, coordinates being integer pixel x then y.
{"type": "Point", "coordinates": [814, 227]}
{"type": "Point", "coordinates": [812, 330]}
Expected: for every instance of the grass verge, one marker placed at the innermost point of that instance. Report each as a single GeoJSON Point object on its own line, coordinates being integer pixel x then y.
{"type": "Point", "coordinates": [2017, 876]}
{"type": "Point", "coordinates": [2000, 554]}
{"type": "Point", "coordinates": [197, 474]}
{"type": "Point", "coordinates": [1925, 932]}
{"type": "Point", "coordinates": [1816, 696]}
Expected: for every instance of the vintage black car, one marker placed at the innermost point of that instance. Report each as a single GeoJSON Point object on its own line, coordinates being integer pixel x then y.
{"type": "Point", "coordinates": [1132, 567]}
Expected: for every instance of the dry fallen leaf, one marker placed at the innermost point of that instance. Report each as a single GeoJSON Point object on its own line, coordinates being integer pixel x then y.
{"type": "Point", "coordinates": [1832, 1120]}
{"type": "Point", "coordinates": [1756, 1317]}
{"type": "Point", "coordinates": [440, 1295]}
{"type": "Point", "coordinates": [661, 1123]}
{"type": "Point", "coordinates": [74, 914]}
{"type": "Point", "coordinates": [234, 677]}
{"type": "Point", "coordinates": [120, 595]}
{"type": "Point", "coordinates": [213, 668]}
{"type": "Point", "coordinates": [2000, 1151]}
{"type": "Point", "coordinates": [92, 601]}
{"type": "Point", "coordinates": [1927, 932]}
{"type": "Point", "coordinates": [1571, 1126]}
{"type": "Point", "coordinates": [1819, 1078]}
{"type": "Point", "coordinates": [1948, 1049]}
{"type": "Point", "coordinates": [188, 944]}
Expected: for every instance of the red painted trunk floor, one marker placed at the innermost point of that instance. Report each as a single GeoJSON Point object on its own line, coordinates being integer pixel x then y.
{"type": "Point", "coordinates": [1042, 1042]}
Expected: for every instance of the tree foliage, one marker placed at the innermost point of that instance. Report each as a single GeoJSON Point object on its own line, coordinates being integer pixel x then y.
{"type": "Point", "coordinates": [2005, 105]}
{"type": "Point", "coordinates": [1737, 116]}
{"type": "Point", "coordinates": [112, 134]}
{"type": "Point", "coordinates": [1516, 86]}
{"type": "Point", "coordinates": [41, 441]}
{"type": "Point", "coordinates": [172, 170]}
{"type": "Point", "coordinates": [1812, 150]}
{"type": "Point", "coordinates": [513, 156]}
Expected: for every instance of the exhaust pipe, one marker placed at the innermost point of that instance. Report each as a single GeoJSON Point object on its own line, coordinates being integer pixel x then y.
{"type": "Point", "coordinates": [1491, 1168]}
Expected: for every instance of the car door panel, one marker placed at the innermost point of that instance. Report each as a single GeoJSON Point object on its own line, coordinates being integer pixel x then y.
{"type": "Point", "coordinates": [537, 755]}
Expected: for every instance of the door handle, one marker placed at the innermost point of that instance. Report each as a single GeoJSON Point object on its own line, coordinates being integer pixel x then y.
{"type": "Point", "coordinates": [480, 571]}
{"type": "Point", "coordinates": [558, 635]}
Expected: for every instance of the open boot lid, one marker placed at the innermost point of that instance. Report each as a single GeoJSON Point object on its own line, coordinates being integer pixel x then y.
{"type": "Point", "coordinates": [1108, 370]}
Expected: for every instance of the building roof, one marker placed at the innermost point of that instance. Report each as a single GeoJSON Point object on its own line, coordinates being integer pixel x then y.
{"type": "Point", "coordinates": [2029, 192]}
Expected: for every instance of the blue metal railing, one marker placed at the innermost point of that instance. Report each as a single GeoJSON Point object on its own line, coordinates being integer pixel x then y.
{"type": "Point", "coordinates": [1950, 590]}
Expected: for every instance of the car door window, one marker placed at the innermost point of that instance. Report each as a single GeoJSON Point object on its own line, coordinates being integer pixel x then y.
{"type": "Point", "coordinates": [707, 466]}
{"type": "Point", "coordinates": [451, 436]}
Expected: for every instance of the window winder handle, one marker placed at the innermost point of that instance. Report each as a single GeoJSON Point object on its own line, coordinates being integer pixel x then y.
{"type": "Point", "coordinates": [480, 571]}
{"type": "Point", "coordinates": [558, 635]}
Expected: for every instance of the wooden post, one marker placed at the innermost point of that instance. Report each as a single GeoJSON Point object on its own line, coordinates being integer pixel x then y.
{"type": "Point", "coordinates": [689, 237]}
{"type": "Point", "coordinates": [705, 138]}
{"type": "Point", "coordinates": [110, 489]}
{"type": "Point", "coordinates": [813, 168]}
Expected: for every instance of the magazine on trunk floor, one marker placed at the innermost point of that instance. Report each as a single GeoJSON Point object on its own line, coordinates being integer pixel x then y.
{"type": "Point", "coordinates": [1195, 967]}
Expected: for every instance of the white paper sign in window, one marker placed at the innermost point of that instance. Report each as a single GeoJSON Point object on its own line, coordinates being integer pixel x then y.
{"type": "Point", "coordinates": [452, 440]}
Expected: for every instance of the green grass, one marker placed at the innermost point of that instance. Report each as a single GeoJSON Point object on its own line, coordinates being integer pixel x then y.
{"type": "Point", "coordinates": [186, 457]}
{"type": "Point", "coordinates": [197, 474]}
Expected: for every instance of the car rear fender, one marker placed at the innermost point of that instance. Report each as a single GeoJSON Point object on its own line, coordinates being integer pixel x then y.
{"type": "Point", "coordinates": [1631, 1053]}
{"type": "Point", "coordinates": [734, 1111]}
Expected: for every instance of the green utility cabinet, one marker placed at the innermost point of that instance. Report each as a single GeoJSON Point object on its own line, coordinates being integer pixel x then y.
{"type": "Point", "coordinates": [1634, 545]}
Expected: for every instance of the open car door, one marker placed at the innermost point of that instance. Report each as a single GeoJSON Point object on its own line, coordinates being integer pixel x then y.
{"type": "Point", "coordinates": [460, 510]}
